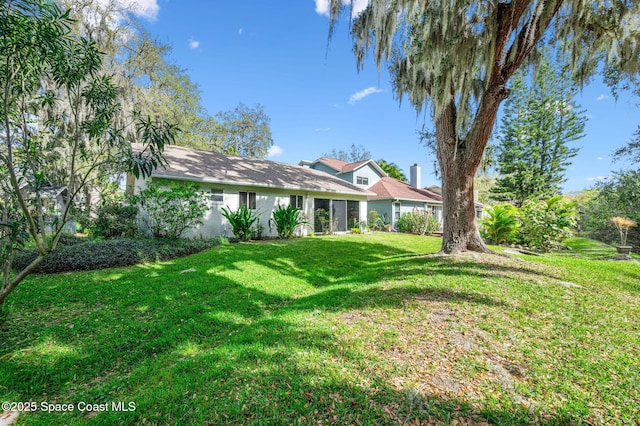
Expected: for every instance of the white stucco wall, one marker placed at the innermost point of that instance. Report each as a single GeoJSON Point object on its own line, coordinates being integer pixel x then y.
{"type": "Point", "coordinates": [267, 200]}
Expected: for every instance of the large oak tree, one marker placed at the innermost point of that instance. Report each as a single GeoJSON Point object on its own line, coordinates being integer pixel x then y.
{"type": "Point", "coordinates": [457, 57]}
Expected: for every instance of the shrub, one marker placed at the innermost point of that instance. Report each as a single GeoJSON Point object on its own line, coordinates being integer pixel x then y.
{"type": "Point", "coordinates": [502, 223]}
{"type": "Point", "coordinates": [241, 221]}
{"type": "Point", "coordinates": [116, 221]}
{"type": "Point", "coordinates": [420, 223]}
{"type": "Point", "coordinates": [378, 222]}
{"type": "Point", "coordinates": [327, 226]}
{"type": "Point", "coordinates": [546, 224]}
{"type": "Point", "coordinates": [287, 221]}
{"type": "Point", "coordinates": [111, 253]}
{"type": "Point", "coordinates": [172, 207]}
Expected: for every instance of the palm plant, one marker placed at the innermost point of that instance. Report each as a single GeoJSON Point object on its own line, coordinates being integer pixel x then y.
{"type": "Point", "coordinates": [501, 223]}
{"type": "Point", "coordinates": [241, 221]}
{"type": "Point", "coordinates": [287, 221]}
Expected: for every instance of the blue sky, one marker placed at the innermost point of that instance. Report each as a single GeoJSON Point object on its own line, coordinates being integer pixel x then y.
{"type": "Point", "coordinates": [277, 54]}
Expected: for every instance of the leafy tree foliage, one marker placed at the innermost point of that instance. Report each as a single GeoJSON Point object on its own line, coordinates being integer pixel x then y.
{"type": "Point", "coordinates": [355, 154]}
{"type": "Point", "coordinates": [538, 123]}
{"type": "Point", "coordinates": [244, 131]}
{"type": "Point", "coordinates": [631, 151]}
{"type": "Point", "coordinates": [617, 196]}
{"type": "Point", "coordinates": [458, 57]}
{"type": "Point", "coordinates": [171, 208]}
{"type": "Point", "coordinates": [392, 169]}
{"type": "Point", "coordinates": [59, 122]}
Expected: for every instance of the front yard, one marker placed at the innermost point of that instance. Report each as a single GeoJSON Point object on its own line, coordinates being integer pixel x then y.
{"type": "Point", "coordinates": [361, 329]}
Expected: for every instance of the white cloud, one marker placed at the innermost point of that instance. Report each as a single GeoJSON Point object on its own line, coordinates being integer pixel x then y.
{"type": "Point", "coordinates": [274, 151]}
{"type": "Point", "coordinates": [322, 6]}
{"type": "Point", "coordinates": [322, 129]}
{"type": "Point", "coordinates": [363, 94]}
{"type": "Point", "coordinates": [602, 97]}
{"type": "Point", "coordinates": [597, 178]}
{"type": "Point", "coordinates": [147, 9]}
{"type": "Point", "coordinates": [599, 158]}
{"type": "Point", "coordinates": [193, 44]}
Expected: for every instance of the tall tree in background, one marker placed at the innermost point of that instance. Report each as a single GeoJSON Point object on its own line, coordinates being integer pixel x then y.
{"type": "Point", "coordinates": [392, 169]}
{"type": "Point", "coordinates": [244, 131]}
{"type": "Point", "coordinates": [457, 57]}
{"type": "Point", "coordinates": [58, 124]}
{"type": "Point", "coordinates": [631, 151]}
{"type": "Point", "coordinates": [355, 154]}
{"type": "Point", "coordinates": [539, 121]}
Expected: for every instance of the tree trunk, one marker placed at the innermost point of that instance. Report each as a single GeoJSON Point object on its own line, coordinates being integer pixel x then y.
{"type": "Point", "coordinates": [460, 229]}
{"type": "Point", "coordinates": [459, 160]}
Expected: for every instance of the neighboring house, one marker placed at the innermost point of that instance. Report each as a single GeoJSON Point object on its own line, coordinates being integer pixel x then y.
{"type": "Point", "coordinates": [54, 202]}
{"type": "Point", "coordinates": [389, 196]}
{"type": "Point", "coordinates": [261, 185]}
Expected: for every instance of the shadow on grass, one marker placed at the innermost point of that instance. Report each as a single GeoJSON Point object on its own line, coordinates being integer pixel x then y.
{"type": "Point", "coordinates": [202, 348]}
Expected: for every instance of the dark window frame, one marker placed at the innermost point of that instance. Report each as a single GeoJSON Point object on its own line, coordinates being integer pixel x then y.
{"type": "Point", "coordinates": [247, 198]}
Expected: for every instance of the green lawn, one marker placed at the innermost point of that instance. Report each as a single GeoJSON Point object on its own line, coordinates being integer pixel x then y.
{"type": "Point", "coordinates": [362, 329]}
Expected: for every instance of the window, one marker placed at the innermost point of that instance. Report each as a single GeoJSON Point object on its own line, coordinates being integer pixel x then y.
{"type": "Point", "coordinates": [217, 195]}
{"type": "Point", "coordinates": [295, 201]}
{"type": "Point", "coordinates": [361, 180]}
{"type": "Point", "coordinates": [248, 199]}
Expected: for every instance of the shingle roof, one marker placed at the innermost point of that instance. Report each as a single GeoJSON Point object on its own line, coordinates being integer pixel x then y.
{"type": "Point", "coordinates": [213, 167]}
{"type": "Point", "coordinates": [334, 163]}
{"type": "Point", "coordinates": [390, 188]}
{"type": "Point", "coordinates": [343, 167]}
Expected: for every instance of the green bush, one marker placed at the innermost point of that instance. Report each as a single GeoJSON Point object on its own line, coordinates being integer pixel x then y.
{"type": "Point", "coordinates": [242, 221]}
{"type": "Point", "coordinates": [501, 224]}
{"type": "Point", "coordinates": [378, 222]}
{"type": "Point", "coordinates": [547, 223]}
{"type": "Point", "coordinates": [287, 221]}
{"type": "Point", "coordinates": [116, 221]}
{"type": "Point", "coordinates": [171, 208]}
{"type": "Point", "coordinates": [421, 223]}
{"type": "Point", "coordinates": [323, 218]}
{"type": "Point", "coordinates": [103, 254]}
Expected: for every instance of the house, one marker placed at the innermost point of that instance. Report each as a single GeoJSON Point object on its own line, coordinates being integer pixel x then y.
{"type": "Point", "coordinates": [389, 196]}
{"type": "Point", "coordinates": [261, 185]}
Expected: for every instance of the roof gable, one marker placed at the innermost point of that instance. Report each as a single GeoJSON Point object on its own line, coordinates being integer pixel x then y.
{"type": "Point", "coordinates": [343, 167]}
{"type": "Point", "coordinates": [390, 188]}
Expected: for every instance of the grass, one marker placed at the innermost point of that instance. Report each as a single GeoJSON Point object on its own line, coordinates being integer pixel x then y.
{"type": "Point", "coordinates": [362, 329]}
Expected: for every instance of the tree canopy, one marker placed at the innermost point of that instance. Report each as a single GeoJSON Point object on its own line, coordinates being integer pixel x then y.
{"type": "Point", "coordinates": [392, 169]}
{"type": "Point", "coordinates": [457, 58]}
{"type": "Point", "coordinates": [60, 121]}
{"type": "Point", "coordinates": [540, 119]}
{"type": "Point", "coordinates": [356, 153]}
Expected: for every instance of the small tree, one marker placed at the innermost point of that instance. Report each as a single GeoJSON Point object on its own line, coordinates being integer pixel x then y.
{"type": "Point", "coordinates": [171, 208]}
{"type": "Point", "coordinates": [60, 122]}
{"type": "Point", "coordinates": [623, 224]}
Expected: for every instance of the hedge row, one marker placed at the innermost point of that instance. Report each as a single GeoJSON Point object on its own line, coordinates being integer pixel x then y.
{"type": "Point", "coordinates": [111, 253]}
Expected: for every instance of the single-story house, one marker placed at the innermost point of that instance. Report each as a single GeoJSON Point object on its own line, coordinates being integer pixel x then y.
{"type": "Point", "coordinates": [390, 196]}
{"type": "Point", "coordinates": [261, 185]}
